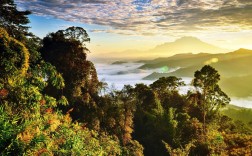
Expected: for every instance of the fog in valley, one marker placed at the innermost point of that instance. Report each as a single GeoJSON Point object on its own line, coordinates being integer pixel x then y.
{"type": "Point", "coordinates": [128, 73]}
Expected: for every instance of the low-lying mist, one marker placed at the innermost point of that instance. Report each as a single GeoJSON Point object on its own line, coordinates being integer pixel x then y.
{"type": "Point", "coordinates": [118, 75]}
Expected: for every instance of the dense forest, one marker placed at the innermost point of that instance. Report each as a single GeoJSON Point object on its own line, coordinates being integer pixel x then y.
{"type": "Point", "coordinates": [52, 103]}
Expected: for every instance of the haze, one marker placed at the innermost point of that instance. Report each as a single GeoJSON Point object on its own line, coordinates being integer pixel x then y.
{"type": "Point", "coordinates": [133, 30]}
{"type": "Point", "coordinates": [116, 26]}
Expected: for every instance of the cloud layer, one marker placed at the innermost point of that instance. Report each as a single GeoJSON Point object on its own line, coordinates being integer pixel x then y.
{"type": "Point", "coordinates": [148, 17]}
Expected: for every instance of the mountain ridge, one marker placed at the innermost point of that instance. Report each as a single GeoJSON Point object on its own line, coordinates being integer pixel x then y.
{"type": "Point", "coordinates": [186, 44]}
{"type": "Point", "coordinates": [238, 60]}
{"type": "Point", "coordinates": [234, 68]}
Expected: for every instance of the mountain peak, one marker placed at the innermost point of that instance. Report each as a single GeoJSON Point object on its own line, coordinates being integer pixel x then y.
{"type": "Point", "coordinates": [188, 39]}
{"type": "Point", "coordinates": [187, 44]}
{"type": "Point", "coordinates": [243, 51]}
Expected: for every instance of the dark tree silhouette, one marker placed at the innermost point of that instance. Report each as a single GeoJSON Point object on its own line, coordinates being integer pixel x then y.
{"type": "Point", "coordinates": [66, 50]}
{"type": "Point", "coordinates": [12, 20]}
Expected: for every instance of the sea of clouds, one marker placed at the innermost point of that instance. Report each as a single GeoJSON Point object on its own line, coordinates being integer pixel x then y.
{"type": "Point", "coordinates": [118, 75]}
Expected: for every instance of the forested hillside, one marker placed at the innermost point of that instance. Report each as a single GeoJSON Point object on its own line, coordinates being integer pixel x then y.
{"type": "Point", "coordinates": [236, 63]}
{"type": "Point", "coordinates": [52, 103]}
{"type": "Point", "coordinates": [234, 68]}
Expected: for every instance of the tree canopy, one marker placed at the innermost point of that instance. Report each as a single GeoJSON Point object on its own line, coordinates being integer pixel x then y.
{"type": "Point", "coordinates": [51, 104]}
{"type": "Point", "coordinates": [13, 20]}
{"type": "Point", "coordinates": [66, 50]}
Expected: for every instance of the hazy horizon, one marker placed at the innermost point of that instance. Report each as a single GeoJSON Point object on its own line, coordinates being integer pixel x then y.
{"type": "Point", "coordinates": [117, 26]}
{"type": "Point", "coordinates": [133, 30]}
{"type": "Point", "coordinates": [125, 77]}
{"type": "Point", "coordinates": [182, 45]}
{"type": "Point", "coordinates": [118, 75]}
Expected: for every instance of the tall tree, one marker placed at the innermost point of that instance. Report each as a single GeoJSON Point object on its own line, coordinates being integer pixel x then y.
{"type": "Point", "coordinates": [28, 123]}
{"type": "Point", "coordinates": [212, 97]}
{"type": "Point", "coordinates": [66, 50]}
{"type": "Point", "coordinates": [167, 90]}
{"type": "Point", "coordinates": [170, 84]}
{"type": "Point", "coordinates": [13, 20]}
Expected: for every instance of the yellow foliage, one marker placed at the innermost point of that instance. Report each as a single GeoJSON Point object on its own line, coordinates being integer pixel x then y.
{"type": "Point", "coordinates": [24, 51]}
{"type": "Point", "coordinates": [43, 151]}
{"type": "Point", "coordinates": [53, 120]}
{"type": "Point", "coordinates": [238, 144]}
{"type": "Point", "coordinates": [25, 137]}
{"type": "Point", "coordinates": [128, 129]}
{"type": "Point", "coordinates": [37, 130]}
{"type": "Point", "coordinates": [67, 118]}
{"type": "Point", "coordinates": [54, 124]}
{"type": "Point", "coordinates": [5, 35]}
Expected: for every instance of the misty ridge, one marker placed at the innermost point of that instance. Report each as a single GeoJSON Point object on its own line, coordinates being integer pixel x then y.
{"type": "Point", "coordinates": [55, 101]}
{"type": "Point", "coordinates": [187, 44]}
{"type": "Point", "coordinates": [233, 66]}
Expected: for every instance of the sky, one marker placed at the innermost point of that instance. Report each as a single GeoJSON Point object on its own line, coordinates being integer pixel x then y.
{"type": "Point", "coordinates": [118, 25]}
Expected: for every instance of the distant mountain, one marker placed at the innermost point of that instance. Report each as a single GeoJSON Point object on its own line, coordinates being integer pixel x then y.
{"type": "Point", "coordinates": [241, 51]}
{"type": "Point", "coordinates": [118, 62]}
{"type": "Point", "coordinates": [237, 63]}
{"type": "Point", "coordinates": [234, 68]}
{"type": "Point", "coordinates": [186, 45]}
{"type": "Point", "coordinates": [180, 46]}
{"type": "Point", "coordinates": [238, 86]}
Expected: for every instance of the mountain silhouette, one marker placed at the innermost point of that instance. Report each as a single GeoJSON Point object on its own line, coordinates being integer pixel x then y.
{"type": "Point", "coordinates": [229, 64]}
{"type": "Point", "coordinates": [234, 68]}
{"type": "Point", "coordinates": [182, 45]}
{"type": "Point", "coordinates": [187, 44]}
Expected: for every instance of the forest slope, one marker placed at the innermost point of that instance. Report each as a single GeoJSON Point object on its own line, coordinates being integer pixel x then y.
{"type": "Point", "coordinates": [234, 67]}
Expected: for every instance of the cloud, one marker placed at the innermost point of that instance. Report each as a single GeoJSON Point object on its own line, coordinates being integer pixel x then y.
{"type": "Point", "coordinates": [97, 30]}
{"type": "Point", "coordinates": [147, 17]}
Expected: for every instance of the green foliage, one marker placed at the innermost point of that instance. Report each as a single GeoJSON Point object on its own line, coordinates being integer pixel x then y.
{"type": "Point", "coordinates": [211, 98]}
{"type": "Point", "coordinates": [63, 101]}
{"type": "Point", "coordinates": [179, 151]}
{"type": "Point", "coordinates": [14, 55]}
{"type": "Point", "coordinates": [112, 124]}
{"type": "Point", "coordinates": [167, 83]}
{"type": "Point", "coordinates": [115, 116]}
{"type": "Point", "coordinates": [30, 123]}
{"type": "Point", "coordinates": [9, 127]}
{"type": "Point", "coordinates": [238, 144]}
{"type": "Point", "coordinates": [238, 113]}
{"type": "Point", "coordinates": [190, 124]}
{"type": "Point", "coordinates": [66, 50]}
{"type": "Point", "coordinates": [154, 119]}
{"type": "Point", "coordinates": [148, 99]}
{"type": "Point", "coordinates": [232, 64]}
{"type": "Point", "coordinates": [75, 33]}
{"type": "Point", "coordinates": [12, 20]}
{"type": "Point", "coordinates": [55, 134]}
